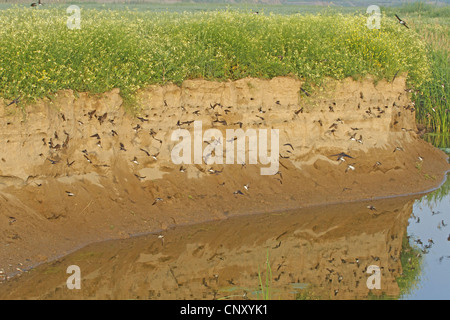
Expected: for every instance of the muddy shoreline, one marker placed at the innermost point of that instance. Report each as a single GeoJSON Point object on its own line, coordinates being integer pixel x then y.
{"type": "Point", "coordinates": [320, 252]}
{"type": "Point", "coordinates": [93, 191]}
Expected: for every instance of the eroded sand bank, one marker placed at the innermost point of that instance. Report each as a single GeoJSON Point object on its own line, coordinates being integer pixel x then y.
{"type": "Point", "coordinates": [112, 197]}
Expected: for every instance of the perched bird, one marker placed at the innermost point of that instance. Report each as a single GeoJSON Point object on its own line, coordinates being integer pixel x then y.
{"type": "Point", "coordinates": [401, 21]}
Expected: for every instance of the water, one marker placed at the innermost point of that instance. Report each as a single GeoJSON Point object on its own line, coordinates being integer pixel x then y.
{"type": "Point", "coordinates": [322, 252]}
{"type": "Point", "coordinates": [428, 224]}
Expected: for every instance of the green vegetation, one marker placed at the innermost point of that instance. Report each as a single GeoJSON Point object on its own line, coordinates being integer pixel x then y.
{"type": "Point", "coordinates": [439, 140]}
{"type": "Point", "coordinates": [432, 24]}
{"type": "Point", "coordinates": [161, 43]}
{"type": "Point", "coordinates": [411, 260]}
{"type": "Point", "coordinates": [265, 288]}
{"type": "Point", "coordinates": [129, 50]}
{"type": "Point", "coordinates": [420, 8]}
{"type": "Point", "coordinates": [436, 196]}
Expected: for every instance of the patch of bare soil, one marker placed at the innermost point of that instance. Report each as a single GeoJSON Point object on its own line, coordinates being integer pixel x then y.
{"type": "Point", "coordinates": [68, 175]}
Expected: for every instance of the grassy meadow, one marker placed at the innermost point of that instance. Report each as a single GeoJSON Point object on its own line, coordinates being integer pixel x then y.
{"type": "Point", "coordinates": [130, 48]}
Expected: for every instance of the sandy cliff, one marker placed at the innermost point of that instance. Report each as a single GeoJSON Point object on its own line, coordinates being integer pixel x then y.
{"type": "Point", "coordinates": [62, 186]}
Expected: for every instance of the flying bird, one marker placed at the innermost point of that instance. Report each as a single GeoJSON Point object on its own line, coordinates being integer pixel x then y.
{"type": "Point", "coordinates": [401, 21]}
{"type": "Point", "coordinates": [350, 167]}
{"type": "Point", "coordinates": [341, 155]}
{"type": "Point", "coordinates": [102, 118]}
{"type": "Point", "coordinates": [52, 161]}
{"type": "Point", "coordinates": [15, 101]}
{"type": "Point", "coordinates": [35, 4]}
{"type": "Point", "coordinates": [304, 91]}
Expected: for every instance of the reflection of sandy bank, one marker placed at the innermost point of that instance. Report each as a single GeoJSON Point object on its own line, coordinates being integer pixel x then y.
{"type": "Point", "coordinates": [327, 248]}
{"type": "Point", "coordinates": [113, 195]}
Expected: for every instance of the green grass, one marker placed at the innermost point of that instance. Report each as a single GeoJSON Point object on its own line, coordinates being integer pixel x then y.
{"type": "Point", "coordinates": [411, 261]}
{"type": "Point", "coordinates": [436, 196]}
{"type": "Point", "coordinates": [420, 8]}
{"type": "Point", "coordinates": [266, 286]}
{"type": "Point", "coordinates": [432, 25]}
{"type": "Point", "coordinates": [132, 49]}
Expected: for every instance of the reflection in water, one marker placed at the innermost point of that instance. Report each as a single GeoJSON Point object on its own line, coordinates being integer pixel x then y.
{"type": "Point", "coordinates": [441, 141]}
{"type": "Point", "coordinates": [429, 235]}
{"type": "Point", "coordinates": [314, 253]}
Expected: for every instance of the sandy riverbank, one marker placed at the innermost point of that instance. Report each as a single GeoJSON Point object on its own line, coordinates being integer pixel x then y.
{"type": "Point", "coordinates": [112, 197]}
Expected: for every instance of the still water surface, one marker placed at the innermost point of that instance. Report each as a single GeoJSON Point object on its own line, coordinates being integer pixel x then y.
{"type": "Point", "coordinates": [428, 223]}
{"type": "Point", "coordinates": [321, 252]}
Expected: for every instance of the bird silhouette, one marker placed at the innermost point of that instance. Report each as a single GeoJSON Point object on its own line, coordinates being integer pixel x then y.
{"type": "Point", "coordinates": [35, 4]}
{"type": "Point", "coordinates": [341, 155]}
{"type": "Point", "coordinates": [15, 101]}
{"type": "Point", "coordinates": [401, 21]}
